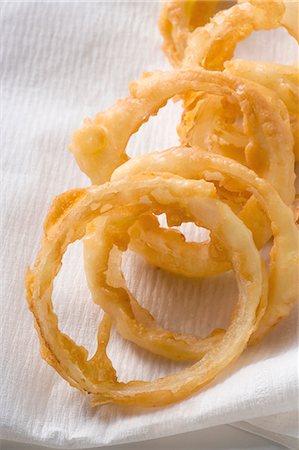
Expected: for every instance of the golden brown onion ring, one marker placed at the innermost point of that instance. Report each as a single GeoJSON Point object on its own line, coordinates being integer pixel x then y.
{"type": "Point", "coordinates": [213, 44]}
{"type": "Point", "coordinates": [197, 164]}
{"type": "Point", "coordinates": [214, 122]}
{"type": "Point", "coordinates": [282, 79]}
{"type": "Point", "coordinates": [177, 19]}
{"type": "Point", "coordinates": [108, 288]}
{"type": "Point", "coordinates": [99, 146]}
{"type": "Point", "coordinates": [67, 222]}
{"type": "Point", "coordinates": [184, 24]}
{"type": "Point", "coordinates": [207, 119]}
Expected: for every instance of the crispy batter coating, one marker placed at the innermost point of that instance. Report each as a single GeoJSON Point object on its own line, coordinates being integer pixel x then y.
{"type": "Point", "coordinates": [197, 164]}
{"type": "Point", "coordinates": [234, 176]}
{"type": "Point", "coordinates": [268, 149]}
{"type": "Point", "coordinates": [188, 199]}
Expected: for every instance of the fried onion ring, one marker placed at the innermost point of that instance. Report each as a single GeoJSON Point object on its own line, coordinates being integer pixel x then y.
{"type": "Point", "coordinates": [190, 41]}
{"type": "Point", "coordinates": [177, 19]}
{"type": "Point", "coordinates": [67, 222]}
{"type": "Point", "coordinates": [210, 46]}
{"type": "Point", "coordinates": [214, 122]}
{"type": "Point", "coordinates": [282, 79]}
{"type": "Point", "coordinates": [183, 183]}
{"type": "Point", "coordinates": [160, 248]}
{"type": "Point", "coordinates": [213, 44]}
{"type": "Point", "coordinates": [108, 288]}
{"type": "Point", "coordinates": [99, 146]}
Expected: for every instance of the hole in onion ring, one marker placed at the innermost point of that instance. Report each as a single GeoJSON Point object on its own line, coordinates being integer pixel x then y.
{"type": "Point", "coordinates": [153, 133]}
{"type": "Point", "coordinates": [79, 317]}
{"type": "Point", "coordinates": [260, 39]}
{"type": "Point", "coordinates": [190, 231]}
{"type": "Point", "coordinates": [177, 302]}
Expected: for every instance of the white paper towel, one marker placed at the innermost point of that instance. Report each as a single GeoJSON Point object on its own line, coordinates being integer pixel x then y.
{"type": "Point", "coordinates": [60, 63]}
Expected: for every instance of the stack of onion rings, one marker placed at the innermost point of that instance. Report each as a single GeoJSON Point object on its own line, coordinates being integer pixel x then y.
{"type": "Point", "coordinates": [234, 175]}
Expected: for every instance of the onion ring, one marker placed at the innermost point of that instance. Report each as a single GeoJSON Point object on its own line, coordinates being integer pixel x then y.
{"type": "Point", "coordinates": [197, 164]}
{"type": "Point", "coordinates": [99, 147]}
{"type": "Point", "coordinates": [108, 288]}
{"type": "Point", "coordinates": [111, 217]}
{"type": "Point", "coordinates": [177, 19]}
{"type": "Point", "coordinates": [67, 222]}
{"type": "Point", "coordinates": [282, 79]}
{"type": "Point", "coordinates": [213, 121]}
{"type": "Point", "coordinates": [213, 44]}
{"type": "Point", "coordinates": [190, 41]}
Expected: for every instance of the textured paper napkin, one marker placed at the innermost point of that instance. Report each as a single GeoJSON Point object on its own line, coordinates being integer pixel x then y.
{"type": "Point", "coordinates": [60, 63]}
